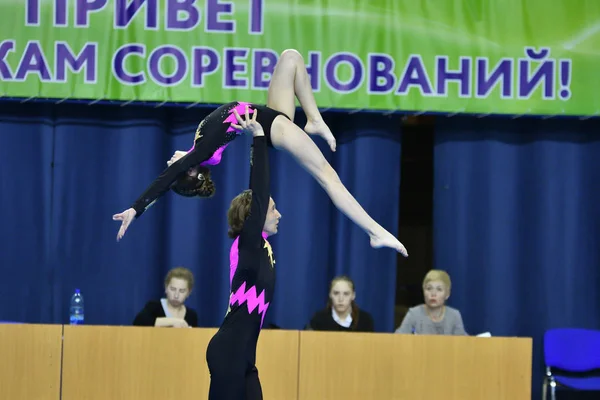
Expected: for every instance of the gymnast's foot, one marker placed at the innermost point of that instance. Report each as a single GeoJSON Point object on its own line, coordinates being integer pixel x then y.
{"type": "Point", "coordinates": [386, 239]}
{"type": "Point", "coordinates": [320, 128]}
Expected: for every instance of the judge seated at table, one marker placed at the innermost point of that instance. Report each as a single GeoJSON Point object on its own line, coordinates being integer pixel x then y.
{"type": "Point", "coordinates": [434, 317]}
{"type": "Point", "coordinates": [171, 310]}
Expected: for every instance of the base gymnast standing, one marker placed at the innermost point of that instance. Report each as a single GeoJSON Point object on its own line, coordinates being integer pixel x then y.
{"type": "Point", "coordinates": [252, 218]}
{"type": "Point", "coordinates": [190, 176]}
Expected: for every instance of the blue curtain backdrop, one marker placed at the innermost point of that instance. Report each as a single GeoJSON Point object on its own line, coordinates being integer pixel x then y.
{"type": "Point", "coordinates": [66, 169]}
{"type": "Point", "coordinates": [517, 218]}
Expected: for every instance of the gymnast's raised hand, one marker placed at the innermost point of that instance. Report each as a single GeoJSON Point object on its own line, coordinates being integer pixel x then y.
{"type": "Point", "coordinates": [249, 125]}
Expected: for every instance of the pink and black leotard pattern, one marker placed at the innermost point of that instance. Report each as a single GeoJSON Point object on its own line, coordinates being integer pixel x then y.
{"type": "Point", "coordinates": [231, 353]}
{"type": "Point", "coordinates": [213, 136]}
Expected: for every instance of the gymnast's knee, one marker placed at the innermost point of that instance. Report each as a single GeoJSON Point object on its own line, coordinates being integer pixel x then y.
{"type": "Point", "coordinates": [291, 55]}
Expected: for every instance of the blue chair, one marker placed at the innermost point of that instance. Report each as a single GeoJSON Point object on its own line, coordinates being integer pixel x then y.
{"type": "Point", "coordinates": [572, 358]}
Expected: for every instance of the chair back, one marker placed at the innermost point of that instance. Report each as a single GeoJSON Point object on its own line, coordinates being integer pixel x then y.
{"type": "Point", "coordinates": [572, 349]}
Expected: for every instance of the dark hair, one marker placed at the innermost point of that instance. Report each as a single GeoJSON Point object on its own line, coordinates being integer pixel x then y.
{"type": "Point", "coordinates": [239, 209]}
{"type": "Point", "coordinates": [355, 310]}
{"type": "Point", "coordinates": [191, 186]}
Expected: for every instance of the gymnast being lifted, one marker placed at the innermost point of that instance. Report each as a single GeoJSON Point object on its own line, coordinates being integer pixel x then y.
{"type": "Point", "coordinates": [188, 173]}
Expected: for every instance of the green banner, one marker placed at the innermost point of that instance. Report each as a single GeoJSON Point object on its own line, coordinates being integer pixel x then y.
{"type": "Point", "coordinates": [474, 56]}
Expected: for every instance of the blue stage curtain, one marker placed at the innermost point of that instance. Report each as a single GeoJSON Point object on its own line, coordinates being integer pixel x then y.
{"type": "Point", "coordinates": [26, 157]}
{"type": "Point", "coordinates": [66, 169]}
{"type": "Point", "coordinates": [517, 222]}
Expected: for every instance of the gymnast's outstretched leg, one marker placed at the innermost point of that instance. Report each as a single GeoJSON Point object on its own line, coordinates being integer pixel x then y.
{"type": "Point", "coordinates": [289, 79]}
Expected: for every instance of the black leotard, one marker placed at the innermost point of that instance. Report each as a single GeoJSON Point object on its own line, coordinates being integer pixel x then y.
{"type": "Point", "coordinates": [231, 353]}
{"type": "Point", "coordinates": [213, 135]}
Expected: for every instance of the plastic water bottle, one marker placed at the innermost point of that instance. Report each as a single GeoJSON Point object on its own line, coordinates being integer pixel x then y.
{"type": "Point", "coordinates": [76, 310]}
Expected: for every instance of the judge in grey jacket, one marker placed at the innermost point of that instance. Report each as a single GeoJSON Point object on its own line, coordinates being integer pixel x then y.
{"type": "Point", "coordinates": [434, 317]}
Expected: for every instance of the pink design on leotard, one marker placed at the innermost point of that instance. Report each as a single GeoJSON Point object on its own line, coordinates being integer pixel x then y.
{"type": "Point", "coordinates": [234, 257]}
{"type": "Point", "coordinates": [218, 154]}
{"type": "Point", "coordinates": [216, 157]}
{"type": "Point", "coordinates": [241, 295]}
{"type": "Point", "coordinates": [251, 299]}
